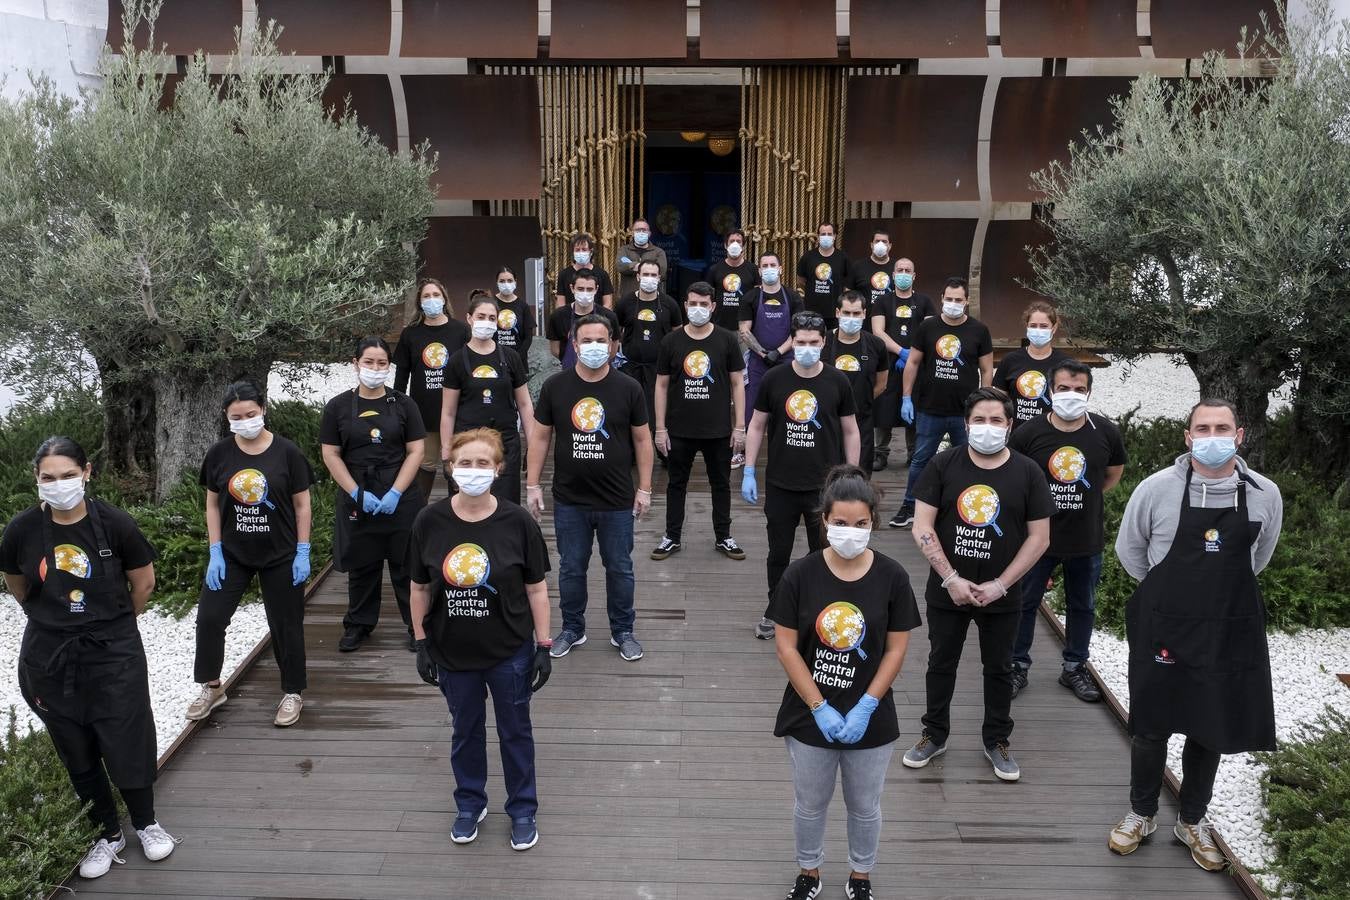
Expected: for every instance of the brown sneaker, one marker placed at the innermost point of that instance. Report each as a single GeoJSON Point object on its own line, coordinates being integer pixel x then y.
{"type": "Point", "coordinates": [288, 710]}
{"type": "Point", "coordinates": [209, 699]}
{"type": "Point", "coordinates": [1130, 833]}
{"type": "Point", "coordinates": [1200, 838]}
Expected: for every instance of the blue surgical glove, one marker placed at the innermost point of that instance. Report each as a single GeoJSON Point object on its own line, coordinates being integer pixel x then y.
{"type": "Point", "coordinates": [749, 489]}
{"type": "Point", "coordinates": [215, 569]}
{"type": "Point", "coordinates": [855, 723]}
{"type": "Point", "coordinates": [907, 410]}
{"type": "Point", "coordinates": [300, 567]}
{"type": "Point", "coordinates": [625, 260]}
{"type": "Point", "coordinates": [828, 720]}
{"type": "Point", "coordinates": [902, 359]}
{"type": "Point", "coordinates": [389, 502]}
{"type": "Point", "coordinates": [369, 502]}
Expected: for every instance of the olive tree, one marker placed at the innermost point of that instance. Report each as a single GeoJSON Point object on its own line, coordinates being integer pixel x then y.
{"type": "Point", "coordinates": [1213, 220]}
{"type": "Point", "coordinates": [185, 231]}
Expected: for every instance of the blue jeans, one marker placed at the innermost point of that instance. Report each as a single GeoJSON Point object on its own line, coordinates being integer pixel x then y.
{"type": "Point", "coordinates": [928, 435]}
{"type": "Point", "coordinates": [576, 528]}
{"type": "Point", "coordinates": [466, 695]}
{"type": "Point", "coordinates": [1081, 574]}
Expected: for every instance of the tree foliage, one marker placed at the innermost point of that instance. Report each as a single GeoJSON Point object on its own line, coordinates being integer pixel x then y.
{"type": "Point", "coordinates": [187, 230]}
{"type": "Point", "coordinates": [1213, 220]}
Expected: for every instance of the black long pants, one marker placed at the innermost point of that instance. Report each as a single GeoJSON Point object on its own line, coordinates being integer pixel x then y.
{"type": "Point", "coordinates": [93, 789]}
{"type": "Point", "coordinates": [883, 436]}
{"type": "Point", "coordinates": [783, 509]}
{"type": "Point", "coordinates": [284, 604]}
{"type": "Point", "coordinates": [680, 462]}
{"type": "Point", "coordinates": [1148, 762]}
{"type": "Point", "coordinates": [866, 445]}
{"type": "Point", "coordinates": [947, 629]}
{"type": "Point", "coordinates": [364, 584]}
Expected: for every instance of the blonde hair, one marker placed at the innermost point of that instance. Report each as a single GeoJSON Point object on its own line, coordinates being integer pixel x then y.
{"type": "Point", "coordinates": [488, 436]}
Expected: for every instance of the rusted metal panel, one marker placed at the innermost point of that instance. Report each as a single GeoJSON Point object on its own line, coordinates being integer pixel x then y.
{"type": "Point", "coordinates": [603, 29]}
{"type": "Point", "coordinates": [1005, 263]}
{"type": "Point", "coordinates": [913, 29]}
{"type": "Point", "coordinates": [938, 247]}
{"type": "Point", "coordinates": [767, 29]}
{"type": "Point", "coordinates": [1191, 28]}
{"type": "Point", "coordinates": [184, 26]}
{"type": "Point", "coordinates": [1069, 28]}
{"type": "Point", "coordinates": [464, 252]}
{"type": "Point", "coordinates": [329, 27]}
{"type": "Point", "coordinates": [371, 100]}
{"type": "Point", "coordinates": [502, 29]}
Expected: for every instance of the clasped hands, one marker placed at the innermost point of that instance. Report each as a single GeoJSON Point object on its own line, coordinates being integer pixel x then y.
{"type": "Point", "coordinates": [847, 729]}
{"type": "Point", "coordinates": [968, 593]}
{"type": "Point", "coordinates": [374, 505]}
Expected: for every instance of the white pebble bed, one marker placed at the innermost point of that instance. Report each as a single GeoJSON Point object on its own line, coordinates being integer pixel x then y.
{"type": "Point", "coordinates": [170, 645]}
{"type": "Point", "coordinates": [1303, 670]}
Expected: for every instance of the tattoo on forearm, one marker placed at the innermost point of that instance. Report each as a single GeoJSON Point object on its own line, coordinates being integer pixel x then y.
{"type": "Point", "coordinates": [932, 551]}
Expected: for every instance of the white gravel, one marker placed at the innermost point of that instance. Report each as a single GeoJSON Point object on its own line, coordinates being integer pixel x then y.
{"type": "Point", "coordinates": [1303, 669]}
{"type": "Point", "coordinates": [170, 645]}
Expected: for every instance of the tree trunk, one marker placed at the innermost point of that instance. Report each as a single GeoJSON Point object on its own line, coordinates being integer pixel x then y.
{"type": "Point", "coordinates": [1242, 381]}
{"type": "Point", "coordinates": [128, 423]}
{"type": "Point", "coordinates": [188, 418]}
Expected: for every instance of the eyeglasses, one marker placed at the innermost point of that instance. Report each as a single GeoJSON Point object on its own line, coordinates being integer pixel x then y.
{"type": "Point", "coordinates": [808, 320]}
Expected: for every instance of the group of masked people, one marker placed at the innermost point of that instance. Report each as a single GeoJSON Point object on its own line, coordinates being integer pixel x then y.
{"type": "Point", "coordinates": [1015, 497]}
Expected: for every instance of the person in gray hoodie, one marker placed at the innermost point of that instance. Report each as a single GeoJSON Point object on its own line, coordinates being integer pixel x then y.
{"type": "Point", "coordinates": [1195, 535]}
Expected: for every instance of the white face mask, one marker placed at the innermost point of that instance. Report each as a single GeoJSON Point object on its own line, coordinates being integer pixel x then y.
{"type": "Point", "coordinates": [581, 257]}
{"type": "Point", "coordinates": [372, 378]}
{"type": "Point", "coordinates": [848, 542]}
{"type": "Point", "coordinates": [473, 482]}
{"type": "Point", "coordinates": [880, 249]}
{"type": "Point", "coordinates": [734, 248]}
{"type": "Point", "coordinates": [641, 238]}
{"type": "Point", "coordinates": [698, 315]}
{"type": "Point", "coordinates": [1069, 404]}
{"type": "Point", "coordinates": [649, 284]}
{"type": "Point", "coordinates": [433, 306]}
{"type": "Point", "coordinates": [63, 494]}
{"type": "Point", "coordinates": [953, 309]}
{"type": "Point", "coordinates": [483, 329]}
{"type": "Point", "coordinates": [506, 288]}
{"type": "Point", "coordinates": [584, 298]}
{"type": "Point", "coordinates": [988, 439]}
{"type": "Point", "coordinates": [850, 325]}
{"type": "Point", "coordinates": [826, 241]}
{"type": "Point", "coordinates": [769, 275]}
{"type": "Point", "coordinates": [1039, 337]}
{"type": "Point", "coordinates": [247, 429]}
{"type": "Point", "coordinates": [593, 355]}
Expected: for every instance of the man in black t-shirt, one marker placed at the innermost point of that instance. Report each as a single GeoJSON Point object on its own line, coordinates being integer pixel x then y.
{"type": "Point", "coordinates": [952, 355]}
{"type": "Point", "coordinates": [583, 260]}
{"type": "Point", "coordinates": [601, 419]}
{"type": "Point", "coordinates": [645, 318]}
{"type": "Point", "coordinates": [823, 271]}
{"type": "Point", "coordinates": [1081, 457]}
{"type": "Point", "coordinates": [559, 325]}
{"type": "Point", "coordinates": [982, 521]}
{"type": "Point", "coordinates": [872, 276]}
{"type": "Point", "coordinates": [804, 411]}
{"type": "Point", "coordinates": [895, 317]}
{"type": "Point", "coordinates": [862, 358]}
{"type": "Point", "coordinates": [700, 393]}
{"type": "Point", "coordinates": [733, 279]}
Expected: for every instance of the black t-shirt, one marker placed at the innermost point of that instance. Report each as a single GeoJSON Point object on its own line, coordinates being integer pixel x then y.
{"type": "Point", "coordinates": [487, 385]}
{"type": "Point", "coordinates": [872, 278]}
{"type": "Point", "coordinates": [842, 628]}
{"type": "Point", "coordinates": [560, 329]}
{"type": "Point", "coordinates": [420, 356]}
{"type": "Point", "coordinates": [823, 278]}
{"type": "Point", "coordinates": [750, 303]}
{"type": "Point", "coordinates": [951, 364]}
{"type": "Point", "coordinates": [982, 517]}
{"type": "Point", "coordinates": [643, 324]}
{"type": "Point", "coordinates": [375, 437]}
{"type": "Point", "coordinates": [804, 432]}
{"type": "Point", "coordinates": [593, 425]}
{"type": "Point", "coordinates": [603, 285]}
{"type": "Point", "coordinates": [480, 612]}
{"type": "Point", "coordinates": [257, 514]}
{"type": "Point", "coordinates": [903, 315]}
{"type": "Point", "coordinates": [22, 552]}
{"type": "Point", "coordinates": [860, 362]}
{"type": "Point", "coordinates": [1074, 465]}
{"type": "Point", "coordinates": [699, 398]}
{"type": "Point", "coordinates": [730, 285]}
{"type": "Point", "coordinates": [1027, 382]}
{"type": "Point", "coordinates": [515, 327]}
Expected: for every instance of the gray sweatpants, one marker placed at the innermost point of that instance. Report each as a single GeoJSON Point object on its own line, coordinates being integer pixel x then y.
{"type": "Point", "coordinates": [813, 775]}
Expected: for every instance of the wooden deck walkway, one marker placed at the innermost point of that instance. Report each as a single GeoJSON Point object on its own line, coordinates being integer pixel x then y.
{"type": "Point", "coordinates": [658, 779]}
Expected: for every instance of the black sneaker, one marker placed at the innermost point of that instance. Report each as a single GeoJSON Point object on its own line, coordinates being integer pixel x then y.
{"type": "Point", "coordinates": [729, 548]}
{"type": "Point", "coordinates": [858, 889]}
{"type": "Point", "coordinates": [665, 548]}
{"type": "Point", "coordinates": [1080, 682]}
{"type": "Point", "coordinates": [351, 638]}
{"type": "Point", "coordinates": [880, 462]}
{"type": "Point", "coordinates": [903, 518]}
{"type": "Point", "coordinates": [806, 887]}
{"type": "Point", "coordinates": [1019, 679]}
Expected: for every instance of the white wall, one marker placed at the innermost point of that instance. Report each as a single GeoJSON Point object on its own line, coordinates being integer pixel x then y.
{"type": "Point", "coordinates": [61, 39]}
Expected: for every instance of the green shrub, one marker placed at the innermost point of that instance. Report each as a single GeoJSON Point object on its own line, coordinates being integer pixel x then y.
{"type": "Point", "coordinates": [42, 828]}
{"type": "Point", "coordinates": [1306, 789]}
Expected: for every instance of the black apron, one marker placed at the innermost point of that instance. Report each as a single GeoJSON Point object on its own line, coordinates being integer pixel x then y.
{"type": "Point", "coordinates": [497, 398]}
{"type": "Point", "coordinates": [374, 474]}
{"type": "Point", "coordinates": [88, 683]}
{"type": "Point", "coordinates": [1199, 664]}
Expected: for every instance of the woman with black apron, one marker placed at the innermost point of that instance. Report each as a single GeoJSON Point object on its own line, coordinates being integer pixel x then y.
{"type": "Point", "coordinates": [486, 387]}
{"type": "Point", "coordinates": [82, 666]}
{"type": "Point", "coordinates": [372, 440]}
{"type": "Point", "coordinates": [515, 317]}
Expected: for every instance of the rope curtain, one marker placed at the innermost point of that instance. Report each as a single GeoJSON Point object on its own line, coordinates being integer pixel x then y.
{"type": "Point", "coordinates": [792, 155]}
{"type": "Point", "coordinates": [591, 126]}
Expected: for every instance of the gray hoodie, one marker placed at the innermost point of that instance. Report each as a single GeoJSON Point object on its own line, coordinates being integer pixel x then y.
{"type": "Point", "coordinates": [1154, 510]}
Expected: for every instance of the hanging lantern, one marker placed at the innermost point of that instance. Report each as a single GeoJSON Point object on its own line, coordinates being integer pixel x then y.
{"type": "Point", "coordinates": [721, 145]}
{"type": "Point", "coordinates": [693, 137]}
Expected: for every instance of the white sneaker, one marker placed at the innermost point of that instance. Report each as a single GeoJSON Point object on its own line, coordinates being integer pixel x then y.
{"type": "Point", "coordinates": [101, 856]}
{"type": "Point", "coordinates": [156, 842]}
{"type": "Point", "coordinates": [288, 711]}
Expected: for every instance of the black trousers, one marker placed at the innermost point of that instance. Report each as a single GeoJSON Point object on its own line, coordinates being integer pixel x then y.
{"type": "Point", "coordinates": [883, 436]}
{"type": "Point", "coordinates": [1148, 762]}
{"type": "Point", "coordinates": [866, 445]}
{"type": "Point", "coordinates": [364, 584]}
{"type": "Point", "coordinates": [947, 629]}
{"type": "Point", "coordinates": [680, 462]}
{"type": "Point", "coordinates": [783, 509]}
{"type": "Point", "coordinates": [284, 604]}
{"type": "Point", "coordinates": [93, 789]}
